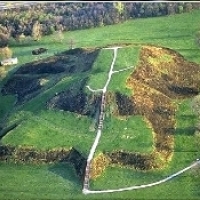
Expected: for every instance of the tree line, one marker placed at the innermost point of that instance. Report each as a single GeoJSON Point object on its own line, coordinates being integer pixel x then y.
{"type": "Point", "coordinates": [66, 16]}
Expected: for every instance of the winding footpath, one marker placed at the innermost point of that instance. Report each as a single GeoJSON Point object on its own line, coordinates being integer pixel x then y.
{"type": "Point", "coordinates": [86, 189]}
{"type": "Point", "coordinates": [100, 123]}
{"type": "Point", "coordinates": [145, 185]}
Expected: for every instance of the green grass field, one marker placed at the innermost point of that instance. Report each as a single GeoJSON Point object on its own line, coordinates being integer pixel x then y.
{"type": "Point", "coordinates": [174, 31]}
{"type": "Point", "coordinates": [58, 181]}
{"type": "Point", "coordinates": [128, 135]}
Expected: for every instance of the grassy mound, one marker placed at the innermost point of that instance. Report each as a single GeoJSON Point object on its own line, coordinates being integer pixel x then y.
{"type": "Point", "coordinates": [160, 77]}
{"type": "Point", "coordinates": [31, 124]}
{"type": "Point", "coordinates": [147, 98]}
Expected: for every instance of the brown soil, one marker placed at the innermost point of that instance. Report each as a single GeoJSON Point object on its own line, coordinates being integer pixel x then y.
{"type": "Point", "coordinates": [161, 76]}
{"type": "Point", "coordinates": [125, 105]}
{"type": "Point", "coordinates": [21, 86]}
{"type": "Point", "coordinates": [135, 160]}
{"type": "Point", "coordinates": [71, 61]}
{"type": "Point", "coordinates": [30, 155]}
{"type": "Point", "coordinates": [98, 165]}
{"type": "Point", "coordinates": [76, 100]}
{"type": "Point", "coordinates": [168, 72]}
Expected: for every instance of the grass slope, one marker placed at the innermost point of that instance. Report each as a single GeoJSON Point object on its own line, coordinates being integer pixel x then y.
{"type": "Point", "coordinates": [46, 129]}
{"type": "Point", "coordinates": [59, 182]}
{"type": "Point", "coordinates": [38, 182]}
{"type": "Point", "coordinates": [174, 31]}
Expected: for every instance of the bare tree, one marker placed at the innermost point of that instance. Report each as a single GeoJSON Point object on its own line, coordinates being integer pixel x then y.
{"type": "Point", "coordinates": [71, 43]}
{"type": "Point", "coordinates": [58, 36]}
{"type": "Point", "coordinates": [4, 36]}
{"type": "Point", "coordinates": [119, 6]}
{"type": "Point", "coordinates": [5, 51]}
{"type": "Point", "coordinates": [36, 31]}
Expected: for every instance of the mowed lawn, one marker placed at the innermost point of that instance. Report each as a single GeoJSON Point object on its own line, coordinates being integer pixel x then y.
{"type": "Point", "coordinates": [58, 181]}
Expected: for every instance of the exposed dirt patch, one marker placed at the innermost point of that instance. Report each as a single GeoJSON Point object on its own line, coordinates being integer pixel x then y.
{"type": "Point", "coordinates": [71, 61]}
{"type": "Point", "coordinates": [21, 86]}
{"type": "Point", "coordinates": [76, 100]}
{"type": "Point", "coordinates": [25, 154]}
{"type": "Point", "coordinates": [72, 99]}
{"type": "Point", "coordinates": [27, 79]}
{"type": "Point", "coordinates": [98, 165]}
{"type": "Point", "coordinates": [136, 160]}
{"type": "Point", "coordinates": [125, 104]}
{"type": "Point", "coordinates": [161, 76]}
{"type": "Point", "coordinates": [168, 72]}
{"type": "Point", "coordinates": [52, 66]}
{"type": "Point", "coordinates": [30, 155]}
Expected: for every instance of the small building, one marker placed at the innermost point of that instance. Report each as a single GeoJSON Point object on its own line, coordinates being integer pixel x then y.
{"type": "Point", "coordinates": [9, 61]}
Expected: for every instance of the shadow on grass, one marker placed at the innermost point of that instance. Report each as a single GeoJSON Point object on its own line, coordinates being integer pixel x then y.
{"type": "Point", "coordinates": [28, 43]}
{"type": "Point", "coordinates": [187, 117]}
{"type": "Point", "coordinates": [189, 131]}
{"type": "Point", "coordinates": [169, 36]}
{"type": "Point", "coordinates": [67, 172]}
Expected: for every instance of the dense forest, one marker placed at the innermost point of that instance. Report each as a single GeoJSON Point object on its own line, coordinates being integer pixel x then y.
{"type": "Point", "coordinates": [45, 18]}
